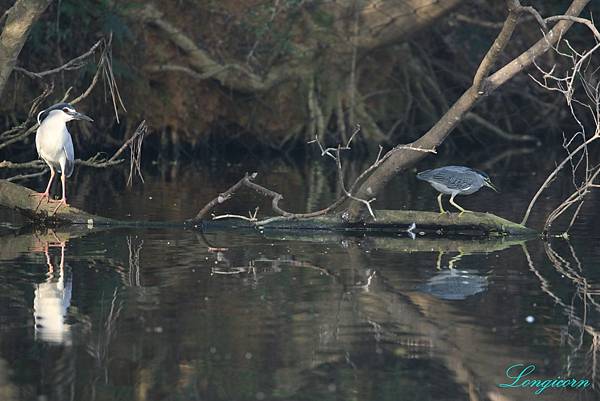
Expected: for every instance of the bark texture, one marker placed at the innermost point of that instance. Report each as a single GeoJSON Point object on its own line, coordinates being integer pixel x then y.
{"type": "Point", "coordinates": [19, 20]}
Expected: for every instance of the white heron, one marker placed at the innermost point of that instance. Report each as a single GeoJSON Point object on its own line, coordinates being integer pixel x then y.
{"type": "Point", "coordinates": [55, 146]}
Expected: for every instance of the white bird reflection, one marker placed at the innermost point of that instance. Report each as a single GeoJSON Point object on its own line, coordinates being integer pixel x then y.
{"type": "Point", "coordinates": [51, 302]}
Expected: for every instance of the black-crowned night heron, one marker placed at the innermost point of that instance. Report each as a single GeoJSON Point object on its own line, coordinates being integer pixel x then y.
{"type": "Point", "coordinates": [54, 145]}
{"type": "Point", "coordinates": [455, 180]}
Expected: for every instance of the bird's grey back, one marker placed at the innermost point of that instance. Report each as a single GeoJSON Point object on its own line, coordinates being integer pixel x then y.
{"type": "Point", "coordinates": [454, 177]}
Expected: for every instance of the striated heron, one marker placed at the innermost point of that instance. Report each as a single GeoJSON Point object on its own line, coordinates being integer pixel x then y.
{"type": "Point", "coordinates": [455, 180]}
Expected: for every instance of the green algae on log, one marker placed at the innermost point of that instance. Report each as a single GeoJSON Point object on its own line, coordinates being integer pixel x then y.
{"type": "Point", "coordinates": [472, 224]}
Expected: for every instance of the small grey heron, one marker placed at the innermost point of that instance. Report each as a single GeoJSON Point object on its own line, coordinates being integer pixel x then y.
{"type": "Point", "coordinates": [455, 180]}
{"type": "Point", "coordinates": [55, 146]}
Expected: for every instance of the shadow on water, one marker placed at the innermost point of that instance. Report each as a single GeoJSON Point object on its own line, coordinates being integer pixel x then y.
{"type": "Point", "coordinates": [173, 314]}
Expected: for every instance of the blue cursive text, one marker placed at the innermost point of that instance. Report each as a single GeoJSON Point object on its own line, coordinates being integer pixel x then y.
{"type": "Point", "coordinates": [519, 371]}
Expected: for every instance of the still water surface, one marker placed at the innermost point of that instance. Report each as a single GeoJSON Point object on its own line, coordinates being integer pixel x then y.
{"type": "Point", "coordinates": [173, 314]}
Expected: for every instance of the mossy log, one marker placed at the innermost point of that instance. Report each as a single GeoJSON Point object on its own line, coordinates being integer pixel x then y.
{"type": "Point", "coordinates": [471, 224]}
{"type": "Point", "coordinates": [22, 200]}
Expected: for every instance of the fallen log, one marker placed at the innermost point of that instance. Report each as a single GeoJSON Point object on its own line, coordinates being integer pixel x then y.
{"type": "Point", "coordinates": [22, 200]}
{"type": "Point", "coordinates": [405, 222]}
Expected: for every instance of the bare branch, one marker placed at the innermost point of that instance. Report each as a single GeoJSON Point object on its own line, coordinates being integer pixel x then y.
{"type": "Point", "coordinates": [500, 132]}
{"type": "Point", "coordinates": [498, 46]}
{"type": "Point", "coordinates": [74, 64]}
{"type": "Point", "coordinates": [234, 216]}
{"type": "Point", "coordinates": [578, 20]}
{"type": "Point", "coordinates": [185, 70]}
{"type": "Point", "coordinates": [398, 159]}
{"type": "Point", "coordinates": [365, 202]}
{"type": "Point", "coordinates": [578, 158]}
{"type": "Point", "coordinates": [223, 197]}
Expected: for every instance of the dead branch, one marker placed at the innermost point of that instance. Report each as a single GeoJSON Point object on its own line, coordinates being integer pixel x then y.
{"type": "Point", "coordinates": [348, 194]}
{"type": "Point", "coordinates": [73, 64]}
{"type": "Point", "coordinates": [276, 197]}
{"type": "Point", "coordinates": [499, 131]}
{"type": "Point", "coordinates": [483, 84]}
{"type": "Point", "coordinates": [21, 177]}
{"type": "Point", "coordinates": [135, 152]}
{"type": "Point", "coordinates": [499, 44]}
{"type": "Point", "coordinates": [18, 21]}
{"type": "Point", "coordinates": [23, 130]}
{"type": "Point", "coordinates": [185, 70]}
{"type": "Point", "coordinates": [251, 216]}
{"type": "Point", "coordinates": [478, 22]}
{"type": "Point", "coordinates": [234, 76]}
{"type": "Point", "coordinates": [578, 158]}
{"type": "Point", "coordinates": [223, 197]}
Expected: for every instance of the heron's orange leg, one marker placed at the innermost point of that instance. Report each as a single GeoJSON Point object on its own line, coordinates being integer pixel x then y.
{"type": "Point", "coordinates": [45, 194]}
{"type": "Point", "coordinates": [63, 201]}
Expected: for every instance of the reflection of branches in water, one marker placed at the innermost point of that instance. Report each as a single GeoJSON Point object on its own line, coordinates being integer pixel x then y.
{"type": "Point", "coordinates": [577, 317]}
{"type": "Point", "coordinates": [268, 265]}
{"type": "Point", "coordinates": [99, 347]}
{"type": "Point", "coordinates": [133, 277]}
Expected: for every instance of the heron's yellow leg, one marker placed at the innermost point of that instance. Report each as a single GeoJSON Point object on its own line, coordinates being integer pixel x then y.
{"type": "Point", "coordinates": [462, 210]}
{"type": "Point", "coordinates": [438, 263]}
{"type": "Point", "coordinates": [454, 260]}
{"type": "Point", "coordinates": [442, 211]}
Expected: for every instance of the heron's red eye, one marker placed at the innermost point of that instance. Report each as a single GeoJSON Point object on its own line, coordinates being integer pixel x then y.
{"type": "Point", "coordinates": [66, 110]}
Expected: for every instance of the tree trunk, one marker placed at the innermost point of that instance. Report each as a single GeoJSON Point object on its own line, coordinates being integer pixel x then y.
{"type": "Point", "coordinates": [401, 158]}
{"type": "Point", "coordinates": [19, 20]}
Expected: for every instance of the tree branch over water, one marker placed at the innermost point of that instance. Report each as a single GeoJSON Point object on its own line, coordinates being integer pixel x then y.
{"type": "Point", "coordinates": [399, 158]}
{"type": "Point", "coordinates": [577, 78]}
{"type": "Point", "coordinates": [19, 20]}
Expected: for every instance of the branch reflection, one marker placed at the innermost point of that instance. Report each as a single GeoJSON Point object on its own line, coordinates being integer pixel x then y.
{"type": "Point", "coordinates": [580, 306]}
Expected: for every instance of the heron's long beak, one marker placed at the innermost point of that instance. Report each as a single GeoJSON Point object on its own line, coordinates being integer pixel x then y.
{"type": "Point", "coordinates": [489, 184]}
{"type": "Point", "coordinates": [81, 116]}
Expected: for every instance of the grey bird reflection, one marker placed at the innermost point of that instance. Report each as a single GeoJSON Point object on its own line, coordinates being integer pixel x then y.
{"type": "Point", "coordinates": [52, 299]}
{"type": "Point", "coordinates": [455, 284]}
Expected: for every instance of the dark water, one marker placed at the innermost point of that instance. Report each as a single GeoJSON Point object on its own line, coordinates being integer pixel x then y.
{"type": "Point", "coordinates": [175, 314]}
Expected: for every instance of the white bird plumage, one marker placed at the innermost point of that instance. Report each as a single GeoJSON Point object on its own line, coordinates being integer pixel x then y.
{"type": "Point", "coordinates": [55, 146]}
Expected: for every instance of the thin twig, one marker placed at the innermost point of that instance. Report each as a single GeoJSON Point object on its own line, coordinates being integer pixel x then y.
{"type": "Point", "coordinates": [74, 64]}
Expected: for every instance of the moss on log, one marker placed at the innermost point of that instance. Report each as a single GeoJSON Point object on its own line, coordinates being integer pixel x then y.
{"type": "Point", "coordinates": [471, 224]}
{"type": "Point", "coordinates": [22, 200]}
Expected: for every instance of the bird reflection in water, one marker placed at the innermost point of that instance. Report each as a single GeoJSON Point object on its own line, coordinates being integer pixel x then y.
{"type": "Point", "coordinates": [454, 284]}
{"type": "Point", "coordinates": [52, 298]}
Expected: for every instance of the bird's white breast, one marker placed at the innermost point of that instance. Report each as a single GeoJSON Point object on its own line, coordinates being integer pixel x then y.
{"type": "Point", "coordinates": [52, 138]}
